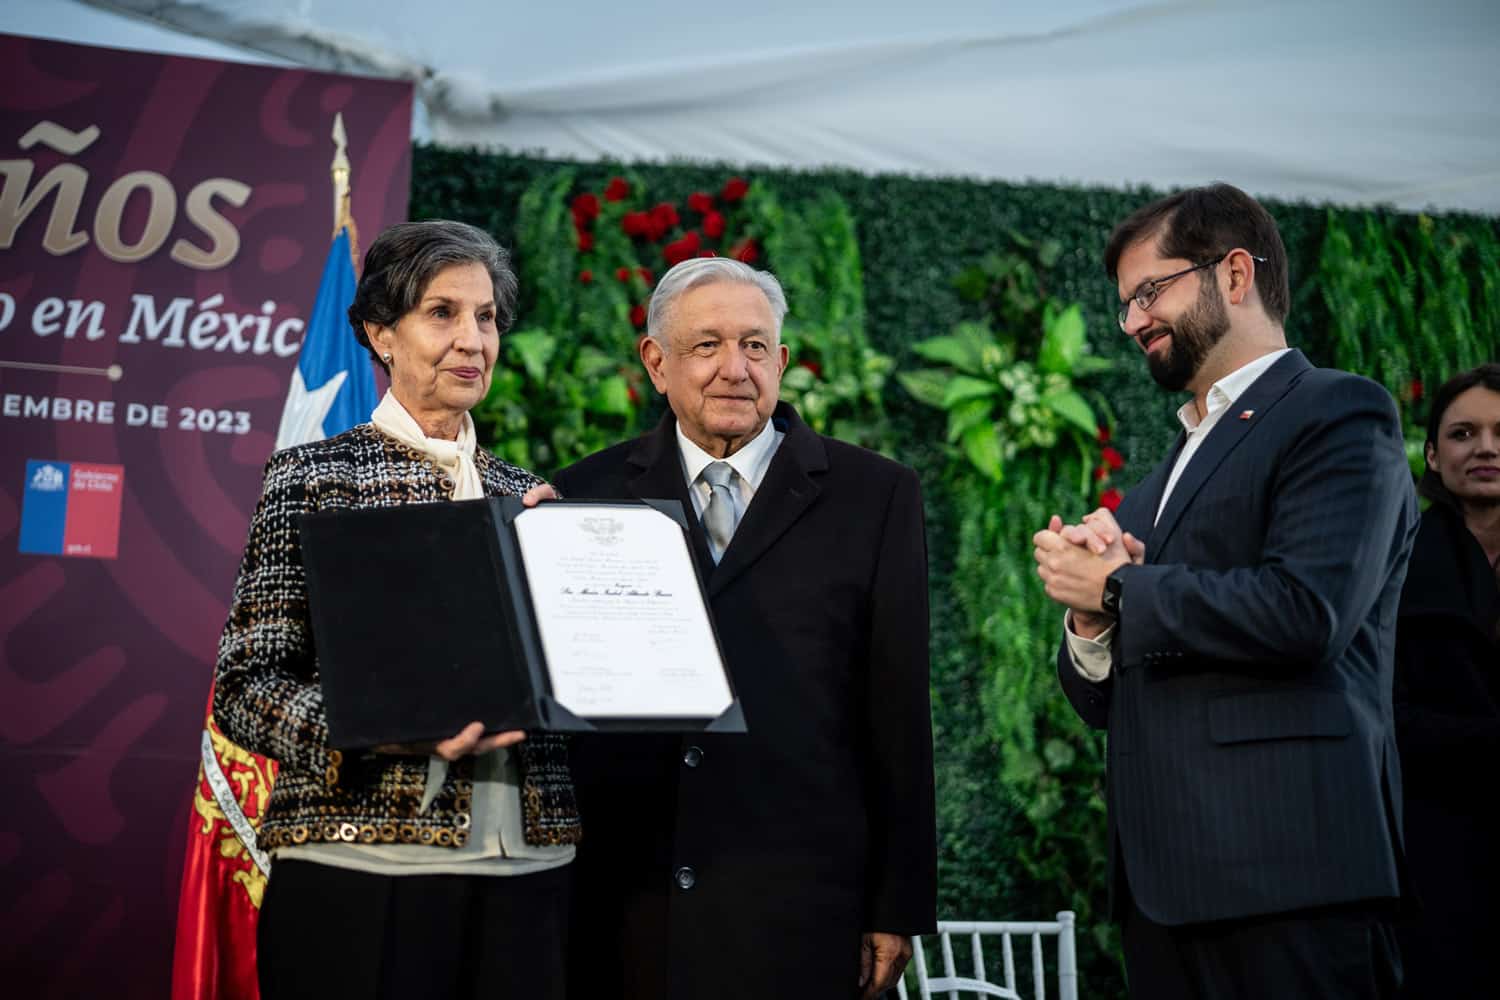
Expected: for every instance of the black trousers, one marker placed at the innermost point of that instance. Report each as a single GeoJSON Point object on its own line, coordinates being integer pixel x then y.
{"type": "Point", "coordinates": [329, 932]}
{"type": "Point", "coordinates": [1347, 952]}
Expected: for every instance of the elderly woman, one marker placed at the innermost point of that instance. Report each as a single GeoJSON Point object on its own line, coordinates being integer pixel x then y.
{"type": "Point", "coordinates": [1448, 695]}
{"type": "Point", "coordinates": [431, 871]}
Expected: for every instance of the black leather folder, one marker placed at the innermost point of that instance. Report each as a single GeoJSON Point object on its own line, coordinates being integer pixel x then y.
{"type": "Point", "coordinates": [423, 622]}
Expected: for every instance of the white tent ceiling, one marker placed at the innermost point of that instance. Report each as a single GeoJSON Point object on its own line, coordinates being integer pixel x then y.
{"type": "Point", "coordinates": [1352, 101]}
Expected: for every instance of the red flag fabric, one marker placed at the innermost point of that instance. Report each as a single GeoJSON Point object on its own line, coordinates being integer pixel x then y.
{"type": "Point", "coordinates": [224, 873]}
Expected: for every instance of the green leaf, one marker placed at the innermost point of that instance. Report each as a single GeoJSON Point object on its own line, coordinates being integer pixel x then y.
{"type": "Point", "coordinates": [1072, 407]}
{"type": "Point", "coordinates": [1059, 754]}
{"type": "Point", "coordinates": [1091, 364]}
{"type": "Point", "coordinates": [611, 396]}
{"type": "Point", "coordinates": [972, 283]}
{"type": "Point", "coordinates": [927, 385]}
{"type": "Point", "coordinates": [962, 387]}
{"type": "Point", "coordinates": [956, 351]}
{"type": "Point", "coordinates": [1062, 340]}
{"type": "Point", "coordinates": [592, 363]}
{"type": "Point", "coordinates": [1023, 766]}
{"type": "Point", "coordinates": [535, 348]}
{"type": "Point", "coordinates": [981, 444]}
{"type": "Point", "coordinates": [798, 379]}
{"type": "Point", "coordinates": [967, 414]}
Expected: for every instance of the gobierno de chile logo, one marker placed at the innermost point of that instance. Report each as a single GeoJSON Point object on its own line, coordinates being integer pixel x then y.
{"type": "Point", "coordinates": [48, 479]}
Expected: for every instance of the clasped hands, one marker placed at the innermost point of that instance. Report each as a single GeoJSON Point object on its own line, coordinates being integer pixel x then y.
{"type": "Point", "coordinates": [1074, 560]}
{"type": "Point", "coordinates": [471, 739]}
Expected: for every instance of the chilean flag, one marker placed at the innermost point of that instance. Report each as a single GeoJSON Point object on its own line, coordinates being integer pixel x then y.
{"type": "Point", "coordinates": [332, 386]}
{"type": "Point", "coordinates": [224, 872]}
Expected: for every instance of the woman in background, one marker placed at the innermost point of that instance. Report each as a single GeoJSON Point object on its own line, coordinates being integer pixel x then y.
{"type": "Point", "coordinates": [1448, 696]}
{"type": "Point", "coordinates": [410, 871]}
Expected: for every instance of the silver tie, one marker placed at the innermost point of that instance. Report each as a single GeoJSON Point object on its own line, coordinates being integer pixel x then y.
{"type": "Point", "coordinates": [718, 516]}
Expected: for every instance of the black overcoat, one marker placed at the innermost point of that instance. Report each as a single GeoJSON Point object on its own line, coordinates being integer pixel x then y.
{"type": "Point", "coordinates": [748, 865]}
{"type": "Point", "coordinates": [1448, 728]}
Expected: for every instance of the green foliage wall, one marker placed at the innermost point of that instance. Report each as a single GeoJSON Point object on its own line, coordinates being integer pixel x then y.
{"type": "Point", "coordinates": [1403, 298]}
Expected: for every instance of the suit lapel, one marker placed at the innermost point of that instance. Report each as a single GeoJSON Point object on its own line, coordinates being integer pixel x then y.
{"type": "Point", "coordinates": [786, 492]}
{"type": "Point", "coordinates": [657, 474]}
{"type": "Point", "coordinates": [1145, 497]}
{"type": "Point", "coordinates": [1227, 434]}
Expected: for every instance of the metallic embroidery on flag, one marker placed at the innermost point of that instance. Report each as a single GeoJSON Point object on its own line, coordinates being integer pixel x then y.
{"type": "Point", "coordinates": [224, 813]}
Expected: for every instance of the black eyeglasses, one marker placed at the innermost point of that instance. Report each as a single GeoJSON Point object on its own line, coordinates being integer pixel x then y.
{"type": "Point", "coordinates": [1145, 295]}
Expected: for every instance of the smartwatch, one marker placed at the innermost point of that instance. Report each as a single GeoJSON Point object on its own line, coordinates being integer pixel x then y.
{"type": "Point", "coordinates": [1109, 601]}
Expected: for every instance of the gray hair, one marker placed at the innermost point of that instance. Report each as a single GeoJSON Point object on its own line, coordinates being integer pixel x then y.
{"type": "Point", "coordinates": [404, 259]}
{"type": "Point", "coordinates": [700, 271]}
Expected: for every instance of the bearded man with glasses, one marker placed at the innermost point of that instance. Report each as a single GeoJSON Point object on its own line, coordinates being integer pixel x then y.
{"type": "Point", "coordinates": [1232, 627]}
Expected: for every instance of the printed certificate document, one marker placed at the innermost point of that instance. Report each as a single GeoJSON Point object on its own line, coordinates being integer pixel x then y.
{"type": "Point", "coordinates": [622, 618]}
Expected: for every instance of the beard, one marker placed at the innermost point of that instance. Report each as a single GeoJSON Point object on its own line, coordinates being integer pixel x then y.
{"type": "Point", "coordinates": [1195, 333]}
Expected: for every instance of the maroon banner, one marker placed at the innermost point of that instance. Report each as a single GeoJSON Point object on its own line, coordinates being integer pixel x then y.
{"type": "Point", "coordinates": [163, 226]}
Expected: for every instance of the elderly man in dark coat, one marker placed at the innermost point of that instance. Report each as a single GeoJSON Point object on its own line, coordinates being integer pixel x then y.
{"type": "Point", "coordinates": [794, 861]}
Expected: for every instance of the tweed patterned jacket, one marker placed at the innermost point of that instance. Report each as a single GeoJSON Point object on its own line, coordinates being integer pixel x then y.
{"type": "Point", "coordinates": [266, 692]}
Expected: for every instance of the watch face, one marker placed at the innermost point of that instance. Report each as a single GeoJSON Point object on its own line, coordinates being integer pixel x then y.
{"type": "Point", "coordinates": [1109, 601]}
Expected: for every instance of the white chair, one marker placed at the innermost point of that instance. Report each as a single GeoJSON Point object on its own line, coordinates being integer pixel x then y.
{"type": "Point", "coordinates": [979, 983]}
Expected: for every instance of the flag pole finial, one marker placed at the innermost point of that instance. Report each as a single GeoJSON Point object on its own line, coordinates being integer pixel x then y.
{"type": "Point", "coordinates": [343, 215]}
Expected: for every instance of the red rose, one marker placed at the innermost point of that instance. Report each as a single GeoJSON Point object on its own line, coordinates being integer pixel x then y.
{"type": "Point", "coordinates": [707, 253]}
{"type": "Point", "coordinates": [1103, 434]}
{"type": "Point", "coordinates": [636, 223]}
{"type": "Point", "coordinates": [734, 189]}
{"type": "Point", "coordinates": [585, 277]}
{"type": "Point", "coordinates": [1111, 498]}
{"type": "Point", "coordinates": [1112, 458]}
{"type": "Point", "coordinates": [656, 227]}
{"type": "Point", "coordinates": [681, 249]}
{"type": "Point", "coordinates": [746, 251]}
{"type": "Point", "coordinates": [1416, 390]}
{"type": "Point", "coordinates": [585, 208]}
{"type": "Point", "coordinates": [622, 274]}
{"type": "Point", "coordinates": [813, 367]}
{"type": "Point", "coordinates": [700, 202]}
{"type": "Point", "coordinates": [637, 316]}
{"type": "Point", "coordinates": [645, 273]}
{"type": "Point", "coordinates": [713, 225]}
{"type": "Point", "coordinates": [585, 241]}
{"type": "Point", "coordinates": [1101, 473]}
{"type": "Point", "coordinates": [635, 397]}
{"type": "Point", "coordinates": [665, 215]}
{"type": "Point", "coordinates": [617, 189]}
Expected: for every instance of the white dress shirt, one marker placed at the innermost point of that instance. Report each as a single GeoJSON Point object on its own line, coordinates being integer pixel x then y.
{"type": "Point", "coordinates": [749, 463]}
{"type": "Point", "coordinates": [1091, 657]}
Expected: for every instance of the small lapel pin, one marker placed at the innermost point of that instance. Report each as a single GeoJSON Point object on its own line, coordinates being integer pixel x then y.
{"type": "Point", "coordinates": [1246, 414]}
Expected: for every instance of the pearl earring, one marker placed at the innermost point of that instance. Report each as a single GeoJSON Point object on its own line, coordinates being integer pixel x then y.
{"type": "Point", "coordinates": [386, 358]}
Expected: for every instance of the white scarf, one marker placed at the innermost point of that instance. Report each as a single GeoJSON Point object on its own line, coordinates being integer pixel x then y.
{"type": "Point", "coordinates": [456, 458]}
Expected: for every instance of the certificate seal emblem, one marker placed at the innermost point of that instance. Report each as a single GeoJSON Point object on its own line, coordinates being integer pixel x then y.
{"type": "Point", "coordinates": [604, 530]}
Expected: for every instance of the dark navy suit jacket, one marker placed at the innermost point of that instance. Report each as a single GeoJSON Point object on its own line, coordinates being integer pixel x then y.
{"type": "Point", "coordinates": [1252, 763]}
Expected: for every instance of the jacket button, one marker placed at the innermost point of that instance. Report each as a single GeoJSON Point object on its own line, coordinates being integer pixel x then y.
{"type": "Point", "coordinates": [685, 878]}
{"type": "Point", "coordinates": [692, 756]}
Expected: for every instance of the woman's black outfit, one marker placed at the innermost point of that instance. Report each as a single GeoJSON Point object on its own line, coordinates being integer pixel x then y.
{"type": "Point", "coordinates": [1448, 730]}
